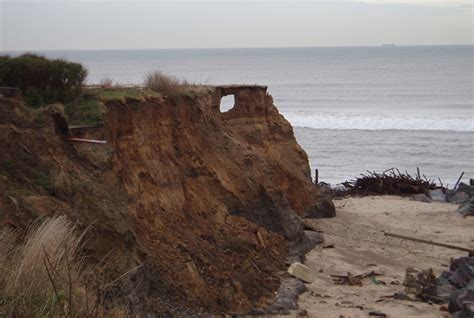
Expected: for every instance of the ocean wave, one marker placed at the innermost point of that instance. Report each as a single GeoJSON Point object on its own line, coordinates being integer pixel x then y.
{"type": "Point", "coordinates": [368, 121]}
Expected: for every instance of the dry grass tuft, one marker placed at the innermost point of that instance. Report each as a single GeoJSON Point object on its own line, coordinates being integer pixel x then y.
{"type": "Point", "coordinates": [106, 83]}
{"type": "Point", "coordinates": [165, 84]}
{"type": "Point", "coordinates": [8, 242]}
{"type": "Point", "coordinates": [42, 276]}
{"type": "Point", "coordinates": [52, 240]}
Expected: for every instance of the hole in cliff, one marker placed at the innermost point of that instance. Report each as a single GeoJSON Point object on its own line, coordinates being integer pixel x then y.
{"type": "Point", "coordinates": [227, 103]}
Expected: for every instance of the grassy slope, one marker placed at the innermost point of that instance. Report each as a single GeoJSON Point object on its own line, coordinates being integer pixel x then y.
{"type": "Point", "coordinates": [89, 108]}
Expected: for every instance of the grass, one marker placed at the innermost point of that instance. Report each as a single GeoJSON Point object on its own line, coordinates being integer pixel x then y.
{"type": "Point", "coordinates": [86, 110]}
{"type": "Point", "coordinates": [89, 108]}
{"type": "Point", "coordinates": [120, 93]}
{"type": "Point", "coordinates": [41, 276]}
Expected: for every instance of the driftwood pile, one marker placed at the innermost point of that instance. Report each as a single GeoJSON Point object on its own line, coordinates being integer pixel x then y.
{"type": "Point", "coordinates": [391, 181]}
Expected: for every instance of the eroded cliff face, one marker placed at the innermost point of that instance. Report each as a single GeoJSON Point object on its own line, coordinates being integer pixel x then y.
{"type": "Point", "coordinates": [204, 205]}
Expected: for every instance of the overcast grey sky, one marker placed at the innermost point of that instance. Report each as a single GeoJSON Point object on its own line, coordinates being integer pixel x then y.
{"type": "Point", "coordinates": [108, 24]}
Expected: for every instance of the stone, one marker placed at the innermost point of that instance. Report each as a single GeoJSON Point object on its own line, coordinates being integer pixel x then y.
{"type": "Point", "coordinates": [467, 311]}
{"type": "Point", "coordinates": [323, 209]}
{"type": "Point", "coordinates": [464, 261]}
{"type": "Point", "coordinates": [302, 272]}
{"type": "Point", "coordinates": [462, 187]}
{"type": "Point", "coordinates": [422, 198]}
{"type": "Point", "coordinates": [459, 198]}
{"type": "Point", "coordinates": [463, 271]}
{"type": "Point", "coordinates": [340, 188]}
{"type": "Point", "coordinates": [470, 285]}
{"type": "Point", "coordinates": [461, 277]}
{"type": "Point", "coordinates": [467, 208]}
{"type": "Point", "coordinates": [315, 237]}
{"type": "Point", "coordinates": [456, 286]}
{"type": "Point", "coordinates": [437, 195]}
{"type": "Point", "coordinates": [460, 298]}
{"type": "Point", "coordinates": [324, 185]}
{"type": "Point", "coordinates": [308, 242]}
{"type": "Point", "coordinates": [444, 289]}
{"type": "Point", "coordinates": [287, 296]}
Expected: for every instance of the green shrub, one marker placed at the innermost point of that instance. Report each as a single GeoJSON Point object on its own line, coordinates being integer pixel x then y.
{"type": "Point", "coordinates": [41, 80]}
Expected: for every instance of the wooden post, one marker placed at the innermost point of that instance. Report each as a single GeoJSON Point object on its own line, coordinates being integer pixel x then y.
{"type": "Point", "coordinates": [440, 182]}
{"type": "Point", "coordinates": [316, 176]}
{"type": "Point", "coordinates": [418, 173]}
{"type": "Point", "coordinates": [459, 180]}
{"type": "Point", "coordinates": [454, 247]}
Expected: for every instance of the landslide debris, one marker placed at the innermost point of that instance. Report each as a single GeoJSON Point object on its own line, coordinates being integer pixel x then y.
{"type": "Point", "coordinates": [194, 209]}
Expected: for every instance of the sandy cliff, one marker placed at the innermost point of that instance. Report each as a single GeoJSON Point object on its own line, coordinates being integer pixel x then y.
{"type": "Point", "coordinates": [200, 202]}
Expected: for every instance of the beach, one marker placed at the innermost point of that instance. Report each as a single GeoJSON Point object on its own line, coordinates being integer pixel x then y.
{"type": "Point", "coordinates": [360, 246]}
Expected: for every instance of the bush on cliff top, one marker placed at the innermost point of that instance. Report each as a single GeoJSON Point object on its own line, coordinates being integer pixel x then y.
{"type": "Point", "coordinates": [41, 80]}
{"type": "Point", "coordinates": [165, 84]}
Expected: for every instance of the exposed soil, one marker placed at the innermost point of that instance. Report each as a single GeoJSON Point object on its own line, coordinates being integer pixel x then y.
{"type": "Point", "coordinates": [200, 208]}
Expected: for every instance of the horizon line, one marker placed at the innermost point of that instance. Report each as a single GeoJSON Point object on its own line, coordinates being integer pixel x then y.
{"type": "Point", "coordinates": [386, 45]}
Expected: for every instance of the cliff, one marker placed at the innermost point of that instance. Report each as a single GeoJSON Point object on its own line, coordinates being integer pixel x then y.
{"type": "Point", "coordinates": [198, 202]}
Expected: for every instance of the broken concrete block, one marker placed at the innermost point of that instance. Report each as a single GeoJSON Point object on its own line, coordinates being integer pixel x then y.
{"type": "Point", "coordinates": [302, 272]}
{"type": "Point", "coordinates": [437, 195]}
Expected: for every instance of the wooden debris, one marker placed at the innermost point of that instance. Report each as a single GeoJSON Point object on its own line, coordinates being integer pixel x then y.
{"type": "Point", "coordinates": [403, 237]}
{"type": "Point", "coordinates": [459, 180]}
{"type": "Point", "coordinates": [353, 280]}
{"type": "Point", "coordinates": [391, 181]}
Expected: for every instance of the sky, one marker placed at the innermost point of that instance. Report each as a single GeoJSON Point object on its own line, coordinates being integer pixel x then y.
{"type": "Point", "coordinates": [147, 24]}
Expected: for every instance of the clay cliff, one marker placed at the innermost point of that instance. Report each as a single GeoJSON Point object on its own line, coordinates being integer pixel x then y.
{"type": "Point", "coordinates": [204, 206]}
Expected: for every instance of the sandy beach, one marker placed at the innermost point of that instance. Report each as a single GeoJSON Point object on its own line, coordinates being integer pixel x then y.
{"type": "Point", "coordinates": [360, 246]}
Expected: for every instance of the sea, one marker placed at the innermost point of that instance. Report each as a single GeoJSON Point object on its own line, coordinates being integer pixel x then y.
{"type": "Point", "coordinates": [353, 109]}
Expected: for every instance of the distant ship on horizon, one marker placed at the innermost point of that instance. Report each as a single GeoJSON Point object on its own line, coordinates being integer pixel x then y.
{"type": "Point", "coordinates": [388, 45]}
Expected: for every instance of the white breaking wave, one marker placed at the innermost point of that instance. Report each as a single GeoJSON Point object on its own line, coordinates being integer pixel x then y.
{"type": "Point", "coordinates": [366, 121]}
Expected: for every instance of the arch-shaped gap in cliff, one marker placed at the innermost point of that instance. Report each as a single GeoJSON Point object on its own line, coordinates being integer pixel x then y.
{"type": "Point", "coordinates": [227, 103]}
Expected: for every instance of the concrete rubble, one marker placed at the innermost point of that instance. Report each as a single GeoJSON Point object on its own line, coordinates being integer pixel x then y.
{"type": "Point", "coordinates": [302, 272]}
{"type": "Point", "coordinates": [454, 287]}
